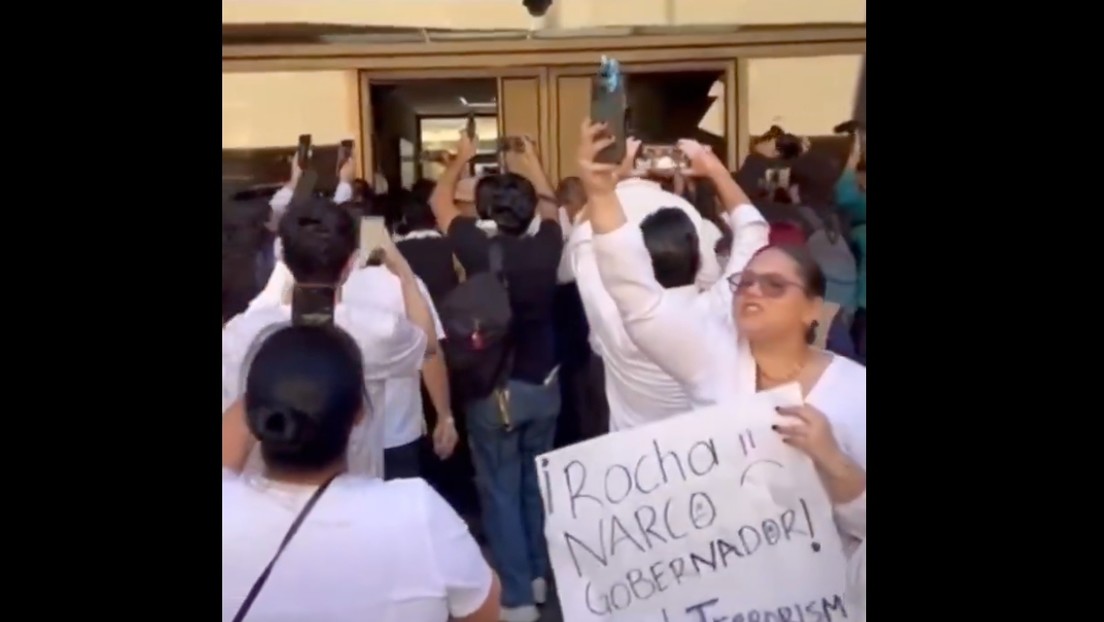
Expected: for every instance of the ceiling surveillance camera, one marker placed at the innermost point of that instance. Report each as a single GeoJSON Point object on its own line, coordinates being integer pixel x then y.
{"type": "Point", "coordinates": [537, 8]}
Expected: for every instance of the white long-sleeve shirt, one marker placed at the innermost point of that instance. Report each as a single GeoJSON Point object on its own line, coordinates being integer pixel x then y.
{"type": "Point", "coordinates": [693, 339]}
{"type": "Point", "coordinates": [391, 347]}
{"type": "Point", "coordinates": [638, 388]}
{"type": "Point", "coordinates": [676, 331]}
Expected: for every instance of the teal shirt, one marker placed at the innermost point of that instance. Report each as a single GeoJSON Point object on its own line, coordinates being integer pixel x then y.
{"type": "Point", "coordinates": [850, 199]}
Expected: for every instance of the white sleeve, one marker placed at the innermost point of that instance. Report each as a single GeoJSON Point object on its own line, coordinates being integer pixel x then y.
{"type": "Point", "coordinates": [564, 273]}
{"type": "Point", "coordinates": [458, 563]}
{"type": "Point", "coordinates": [432, 310]}
{"type": "Point", "coordinates": [237, 340]}
{"type": "Point", "coordinates": [655, 322]}
{"type": "Point", "coordinates": [598, 307]}
{"type": "Point", "coordinates": [279, 283]}
{"type": "Point", "coordinates": [343, 192]}
{"type": "Point", "coordinates": [851, 516]}
{"type": "Point", "coordinates": [280, 201]}
{"type": "Point", "coordinates": [750, 233]}
{"type": "Point", "coordinates": [392, 346]}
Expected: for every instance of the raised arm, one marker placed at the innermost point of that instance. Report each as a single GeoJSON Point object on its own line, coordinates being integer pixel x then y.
{"type": "Point", "coordinates": [280, 201]}
{"type": "Point", "coordinates": [345, 176]}
{"type": "Point", "coordinates": [750, 231]}
{"type": "Point", "coordinates": [528, 165]}
{"type": "Point", "coordinates": [655, 321]}
{"type": "Point", "coordinates": [435, 376]}
{"type": "Point", "coordinates": [442, 200]}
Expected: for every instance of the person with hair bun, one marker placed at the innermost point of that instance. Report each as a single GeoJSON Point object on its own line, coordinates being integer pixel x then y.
{"type": "Point", "coordinates": [320, 252]}
{"type": "Point", "coordinates": [306, 540]}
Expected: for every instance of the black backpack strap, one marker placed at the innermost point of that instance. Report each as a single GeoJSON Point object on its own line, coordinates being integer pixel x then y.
{"type": "Point", "coordinates": [497, 267]}
{"type": "Point", "coordinates": [259, 583]}
{"type": "Point", "coordinates": [495, 262]}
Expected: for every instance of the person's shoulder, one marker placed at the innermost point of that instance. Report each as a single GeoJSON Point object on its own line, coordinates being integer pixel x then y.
{"type": "Point", "coordinates": [549, 233]}
{"type": "Point", "coordinates": [244, 327]}
{"type": "Point", "coordinates": [463, 224]}
{"type": "Point", "coordinates": [410, 497]}
{"type": "Point", "coordinates": [360, 313]}
{"type": "Point", "coordinates": [640, 199]}
{"type": "Point", "coordinates": [848, 375]}
{"type": "Point", "coordinates": [367, 279]}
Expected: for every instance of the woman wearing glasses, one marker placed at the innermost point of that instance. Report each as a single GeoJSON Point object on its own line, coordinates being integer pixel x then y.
{"type": "Point", "coordinates": [756, 333]}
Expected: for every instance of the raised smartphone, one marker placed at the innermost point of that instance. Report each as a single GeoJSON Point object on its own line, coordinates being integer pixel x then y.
{"type": "Point", "coordinates": [303, 151]}
{"type": "Point", "coordinates": [344, 152]}
{"type": "Point", "coordinates": [607, 105]}
{"type": "Point", "coordinates": [312, 305]}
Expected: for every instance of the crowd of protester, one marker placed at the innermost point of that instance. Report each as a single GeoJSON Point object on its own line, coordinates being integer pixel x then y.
{"type": "Point", "coordinates": [366, 461]}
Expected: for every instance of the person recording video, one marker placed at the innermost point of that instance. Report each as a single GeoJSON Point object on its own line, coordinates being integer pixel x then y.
{"type": "Point", "coordinates": [320, 243]}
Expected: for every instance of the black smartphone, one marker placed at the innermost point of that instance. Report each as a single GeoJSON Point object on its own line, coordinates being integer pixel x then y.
{"type": "Point", "coordinates": [302, 152]}
{"type": "Point", "coordinates": [607, 105]}
{"type": "Point", "coordinates": [312, 305]}
{"type": "Point", "coordinates": [344, 152]}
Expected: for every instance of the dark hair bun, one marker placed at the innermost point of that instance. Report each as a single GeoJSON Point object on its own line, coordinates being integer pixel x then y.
{"type": "Point", "coordinates": [507, 218]}
{"type": "Point", "coordinates": [280, 427]}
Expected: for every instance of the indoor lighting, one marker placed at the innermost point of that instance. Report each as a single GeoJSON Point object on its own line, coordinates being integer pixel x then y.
{"type": "Point", "coordinates": [491, 104]}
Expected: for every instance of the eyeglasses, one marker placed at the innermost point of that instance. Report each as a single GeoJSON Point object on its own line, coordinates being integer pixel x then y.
{"type": "Point", "coordinates": [772, 285]}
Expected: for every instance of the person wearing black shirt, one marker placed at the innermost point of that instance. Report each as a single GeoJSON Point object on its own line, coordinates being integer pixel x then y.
{"type": "Point", "coordinates": [430, 256]}
{"type": "Point", "coordinates": [509, 428]}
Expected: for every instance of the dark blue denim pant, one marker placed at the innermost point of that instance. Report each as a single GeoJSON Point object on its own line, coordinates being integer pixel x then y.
{"type": "Point", "coordinates": [506, 475]}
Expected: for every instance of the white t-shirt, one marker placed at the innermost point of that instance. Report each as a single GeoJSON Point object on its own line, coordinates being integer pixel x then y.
{"type": "Point", "coordinates": [391, 346]}
{"type": "Point", "coordinates": [403, 420]}
{"type": "Point", "coordinates": [368, 551]}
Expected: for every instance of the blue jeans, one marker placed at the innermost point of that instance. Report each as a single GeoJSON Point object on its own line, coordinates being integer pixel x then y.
{"type": "Point", "coordinates": [506, 475]}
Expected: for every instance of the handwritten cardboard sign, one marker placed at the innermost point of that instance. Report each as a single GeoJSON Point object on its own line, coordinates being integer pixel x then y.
{"type": "Point", "coordinates": [706, 517]}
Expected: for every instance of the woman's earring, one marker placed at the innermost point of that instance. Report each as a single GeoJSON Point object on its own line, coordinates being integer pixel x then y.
{"type": "Point", "coordinates": [811, 332]}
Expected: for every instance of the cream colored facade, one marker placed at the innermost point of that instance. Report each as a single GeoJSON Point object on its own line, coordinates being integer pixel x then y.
{"type": "Point", "coordinates": [807, 94]}
{"type": "Point", "coordinates": [510, 14]}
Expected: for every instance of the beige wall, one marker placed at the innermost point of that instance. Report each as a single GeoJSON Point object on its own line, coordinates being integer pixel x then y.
{"type": "Point", "coordinates": [806, 95]}
{"type": "Point", "coordinates": [262, 110]}
{"type": "Point", "coordinates": [510, 14]}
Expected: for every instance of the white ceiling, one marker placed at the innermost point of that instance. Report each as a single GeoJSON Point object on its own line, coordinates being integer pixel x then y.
{"type": "Point", "coordinates": [443, 97]}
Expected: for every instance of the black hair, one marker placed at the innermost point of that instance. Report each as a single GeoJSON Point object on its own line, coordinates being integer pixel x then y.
{"type": "Point", "coordinates": [808, 273]}
{"type": "Point", "coordinates": [789, 146]}
{"type": "Point", "coordinates": [508, 199]}
{"type": "Point", "coordinates": [318, 239]}
{"type": "Point", "coordinates": [815, 178]}
{"type": "Point", "coordinates": [416, 215]}
{"type": "Point", "coordinates": [303, 392]}
{"type": "Point", "coordinates": [422, 189]}
{"type": "Point", "coordinates": [672, 242]}
{"type": "Point", "coordinates": [362, 190]}
{"type": "Point", "coordinates": [244, 235]}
